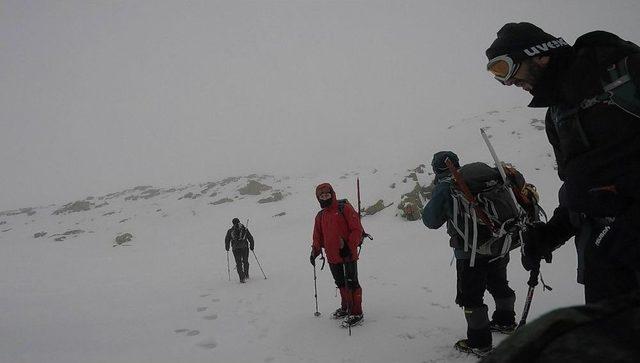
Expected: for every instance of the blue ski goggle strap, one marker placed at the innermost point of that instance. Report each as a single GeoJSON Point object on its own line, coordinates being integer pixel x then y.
{"type": "Point", "coordinates": [503, 68]}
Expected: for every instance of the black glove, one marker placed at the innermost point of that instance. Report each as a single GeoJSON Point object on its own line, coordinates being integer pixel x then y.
{"type": "Point", "coordinates": [312, 258]}
{"type": "Point", "coordinates": [535, 247]}
{"type": "Point", "coordinates": [345, 252]}
{"type": "Point", "coordinates": [251, 248]}
{"type": "Point", "coordinates": [227, 249]}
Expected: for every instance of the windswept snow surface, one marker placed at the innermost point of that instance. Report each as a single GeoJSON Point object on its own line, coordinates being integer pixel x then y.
{"type": "Point", "coordinates": [165, 296]}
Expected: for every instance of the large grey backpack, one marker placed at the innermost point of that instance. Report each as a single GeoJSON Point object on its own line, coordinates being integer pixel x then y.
{"type": "Point", "coordinates": [494, 199]}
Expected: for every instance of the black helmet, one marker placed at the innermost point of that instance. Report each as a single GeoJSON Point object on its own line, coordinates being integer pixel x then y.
{"type": "Point", "coordinates": [235, 221]}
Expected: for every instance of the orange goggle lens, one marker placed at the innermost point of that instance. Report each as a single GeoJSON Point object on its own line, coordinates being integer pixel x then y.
{"type": "Point", "coordinates": [502, 68]}
{"type": "Point", "coordinates": [499, 68]}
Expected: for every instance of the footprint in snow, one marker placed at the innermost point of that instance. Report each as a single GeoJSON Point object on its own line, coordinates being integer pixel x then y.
{"type": "Point", "coordinates": [210, 317]}
{"type": "Point", "coordinates": [178, 331]}
{"type": "Point", "coordinates": [204, 295]}
{"type": "Point", "coordinates": [215, 300]}
{"type": "Point", "coordinates": [207, 344]}
{"type": "Point", "coordinates": [201, 309]}
{"type": "Point", "coordinates": [193, 333]}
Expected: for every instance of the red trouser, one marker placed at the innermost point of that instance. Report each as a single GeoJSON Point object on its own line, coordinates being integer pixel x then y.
{"type": "Point", "coordinates": [350, 290]}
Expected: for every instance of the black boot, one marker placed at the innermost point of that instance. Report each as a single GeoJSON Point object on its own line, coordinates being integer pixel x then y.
{"type": "Point", "coordinates": [478, 333]}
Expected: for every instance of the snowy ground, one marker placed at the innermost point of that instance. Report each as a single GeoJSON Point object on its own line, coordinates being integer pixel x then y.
{"type": "Point", "coordinates": [166, 296]}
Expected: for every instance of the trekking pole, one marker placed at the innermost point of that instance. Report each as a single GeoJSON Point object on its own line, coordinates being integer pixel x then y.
{"type": "Point", "coordinates": [315, 289]}
{"type": "Point", "coordinates": [228, 269]}
{"type": "Point", "coordinates": [254, 255]}
{"type": "Point", "coordinates": [533, 282]}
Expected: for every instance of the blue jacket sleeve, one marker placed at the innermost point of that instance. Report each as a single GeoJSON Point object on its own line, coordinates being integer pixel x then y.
{"type": "Point", "coordinates": [438, 210]}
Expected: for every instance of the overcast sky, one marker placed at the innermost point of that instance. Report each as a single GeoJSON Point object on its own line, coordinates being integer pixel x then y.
{"type": "Point", "coordinates": [96, 96]}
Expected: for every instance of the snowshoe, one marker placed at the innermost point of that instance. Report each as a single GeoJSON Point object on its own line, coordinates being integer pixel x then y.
{"type": "Point", "coordinates": [352, 320]}
{"type": "Point", "coordinates": [502, 328]}
{"type": "Point", "coordinates": [463, 346]}
{"type": "Point", "coordinates": [339, 313]}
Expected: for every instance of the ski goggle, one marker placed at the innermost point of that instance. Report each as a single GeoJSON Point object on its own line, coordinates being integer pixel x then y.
{"type": "Point", "coordinates": [503, 68]}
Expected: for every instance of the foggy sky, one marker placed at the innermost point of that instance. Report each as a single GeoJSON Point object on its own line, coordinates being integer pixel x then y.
{"type": "Point", "coordinates": [97, 96]}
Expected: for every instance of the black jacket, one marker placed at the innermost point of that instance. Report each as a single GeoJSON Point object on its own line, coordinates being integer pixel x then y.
{"type": "Point", "coordinates": [597, 146]}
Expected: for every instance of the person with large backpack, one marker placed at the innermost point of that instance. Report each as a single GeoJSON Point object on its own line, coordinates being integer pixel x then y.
{"type": "Point", "coordinates": [241, 241]}
{"type": "Point", "coordinates": [482, 232]}
{"type": "Point", "coordinates": [337, 230]}
{"type": "Point", "coordinates": [592, 92]}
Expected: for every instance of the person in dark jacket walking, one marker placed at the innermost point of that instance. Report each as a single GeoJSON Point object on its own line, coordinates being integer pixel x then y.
{"type": "Point", "coordinates": [241, 241]}
{"type": "Point", "coordinates": [338, 231]}
{"type": "Point", "coordinates": [486, 274]}
{"type": "Point", "coordinates": [592, 92]}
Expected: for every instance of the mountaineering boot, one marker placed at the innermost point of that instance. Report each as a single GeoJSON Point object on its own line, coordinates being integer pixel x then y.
{"type": "Point", "coordinates": [339, 313]}
{"type": "Point", "coordinates": [502, 328]}
{"type": "Point", "coordinates": [463, 346]}
{"type": "Point", "coordinates": [503, 319]}
{"type": "Point", "coordinates": [479, 338]}
{"type": "Point", "coordinates": [352, 320]}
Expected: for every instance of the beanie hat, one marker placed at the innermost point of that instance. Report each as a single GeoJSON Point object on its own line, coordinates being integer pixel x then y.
{"type": "Point", "coordinates": [439, 164]}
{"type": "Point", "coordinates": [524, 40]}
{"type": "Point", "coordinates": [235, 221]}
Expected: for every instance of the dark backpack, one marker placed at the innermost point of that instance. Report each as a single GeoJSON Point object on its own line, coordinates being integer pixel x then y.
{"type": "Point", "coordinates": [239, 234]}
{"type": "Point", "coordinates": [494, 199]}
{"type": "Point", "coordinates": [621, 88]}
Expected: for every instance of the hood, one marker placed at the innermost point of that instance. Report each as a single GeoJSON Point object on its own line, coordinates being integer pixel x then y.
{"type": "Point", "coordinates": [323, 188]}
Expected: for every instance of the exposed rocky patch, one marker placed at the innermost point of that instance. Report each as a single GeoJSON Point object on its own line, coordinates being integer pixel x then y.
{"type": "Point", "coordinates": [15, 212]}
{"type": "Point", "coordinates": [221, 201]}
{"type": "Point", "coordinates": [411, 203]}
{"type": "Point", "coordinates": [39, 234]}
{"type": "Point", "coordinates": [254, 188]}
{"type": "Point", "coordinates": [122, 239]}
{"type": "Point", "coordinates": [147, 193]}
{"type": "Point", "coordinates": [280, 214]}
{"type": "Point", "coordinates": [275, 196]}
{"type": "Point", "coordinates": [189, 195]}
{"type": "Point", "coordinates": [74, 207]}
{"type": "Point", "coordinates": [375, 208]}
{"type": "Point", "coordinates": [62, 236]}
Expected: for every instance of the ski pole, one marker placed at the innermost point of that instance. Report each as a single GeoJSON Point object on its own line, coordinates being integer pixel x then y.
{"type": "Point", "coordinates": [228, 268]}
{"type": "Point", "coordinates": [254, 255]}
{"type": "Point", "coordinates": [533, 282]}
{"type": "Point", "coordinates": [315, 289]}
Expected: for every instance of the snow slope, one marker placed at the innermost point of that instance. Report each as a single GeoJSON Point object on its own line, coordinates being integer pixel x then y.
{"type": "Point", "coordinates": [165, 296]}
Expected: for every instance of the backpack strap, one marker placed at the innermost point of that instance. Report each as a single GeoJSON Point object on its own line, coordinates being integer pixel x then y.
{"type": "Point", "coordinates": [474, 246]}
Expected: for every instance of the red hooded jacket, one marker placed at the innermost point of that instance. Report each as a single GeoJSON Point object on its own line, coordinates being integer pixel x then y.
{"type": "Point", "coordinates": [331, 226]}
